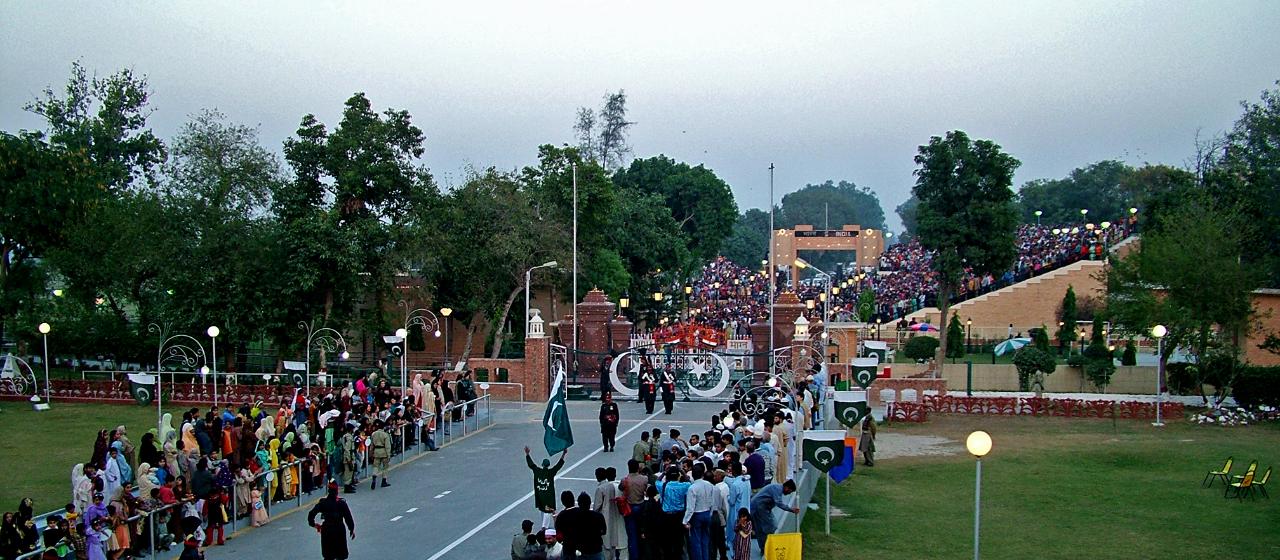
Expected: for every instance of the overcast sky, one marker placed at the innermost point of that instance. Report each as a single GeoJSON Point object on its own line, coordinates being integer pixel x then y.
{"type": "Point", "coordinates": [840, 90]}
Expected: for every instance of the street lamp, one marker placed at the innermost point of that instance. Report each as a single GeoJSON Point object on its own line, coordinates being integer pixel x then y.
{"type": "Point", "coordinates": [528, 276]}
{"type": "Point", "coordinates": [324, 338]}
{"type": "Point", "coordinates": [1038, 213]}
{"type": "Point", "coordinates": [968, 335]}
{"type": "Point", "coordinates": [623, 303]}
{"type": "Point", "coordinates": [1159, 331]}
{"type": "Point", "coordinates": [447, 311]}
{"type": "Point", "coordinates": [213, 332]}
{"type": "Point", "coordinates": [1133, 210]}
{"type": "Point", "coordinates": [978, 444]}
{"type": "Point", "coordinates": [44, 329]}
{"type": "Point", "coordinates": [1084, 212]}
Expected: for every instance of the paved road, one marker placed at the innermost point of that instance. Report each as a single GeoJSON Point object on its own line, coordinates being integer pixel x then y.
{"type": "Point", "coordinates": [467, 500]}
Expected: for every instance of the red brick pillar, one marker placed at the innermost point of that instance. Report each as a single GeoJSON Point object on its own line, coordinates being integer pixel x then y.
{"type": "Point", "coordinates": [760, 345]}
{"type": "Point", "coordinates": [537, 357]}
{"type": "Point", "coordinates": [620, 334]}
{"type": "Point", "coordinates": [785, 312]}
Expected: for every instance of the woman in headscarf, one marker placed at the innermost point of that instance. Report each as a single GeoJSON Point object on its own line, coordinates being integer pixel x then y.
{"type": "Point", "coordinates": [419, 389]}
{"type": "Point", "coordinates": [126, 471]}
{"type": "Point", "coordinates": [244, 483]}
{"type": "Point", "coordinates": [111, 475]}
{"type": "Point", "coordinates": [273, 452]}
{"type": "Point", "coordinates": [189, 440]}
{"type": "Point", "coordinates": [100, 446]}
{"type": "Point", "coordinates": [266, 431]}
{"type": "Point", "coordinates": [203, 440]}
{"type": "Point", "coordinates": [171, 457]}
{"type": "Point", "coordinates": [166, 428]}
{"type": "Point", "coordinates": [78, 478]}
{"type": "Point", "coordinates": [146, 480]}
{"type": "Point", "coordinates": [148, 452]}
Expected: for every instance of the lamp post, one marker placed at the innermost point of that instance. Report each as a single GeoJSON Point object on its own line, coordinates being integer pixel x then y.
{"type": "Point", "coordinates": [324, 338]}
{"type": "Point", "coordinates": [1159, 331]}
{"type": "Point", "coordinates": [1038, 213]}
{"type": "Point", "coordinates": [688, 292]}
{"type": "Point", "coordinates": [403, 334]}
{"type": "Point", "coordinates": [803, 264]}
{"type": "Point", "coordinates": [878, 319]}
{"type": "Point", "coordinates": [417, 317]}
{"type": "Point", "coordinates": [623, 303]}
{"type": "Point", "coordinates": [44, 329]}
{"type": "Point", "coordinates": [657, 299]}
{"type": "Point", "coordinates": [978, 444]}
{"type": "Point", "coordinates": [968, 335]}
{"type": "Point", "coordinates": [447, 311]}
{"type": "Point", "coordinates": [528, 276]}
{"type": "Point", "coordinates": [213, 333]}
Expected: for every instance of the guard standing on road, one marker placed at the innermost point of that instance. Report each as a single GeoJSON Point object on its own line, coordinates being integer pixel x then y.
{"type": "Point", "coordinates": [668, 389]}
{"type": "Point", "coordinates": [648, 384]}
{"type": "Point", "coordinates": [380, 442]}
{"type": "Point", "coordinates": [334, 514]}
{"type": "Point", "coordinates": [608, 421]}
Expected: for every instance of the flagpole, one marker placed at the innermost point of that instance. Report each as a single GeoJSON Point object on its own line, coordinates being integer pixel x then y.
{"type": "Point", "coordinates": [772, 271]}
{"type": "Point", "coordinates": [828, 478]}
{"type": "Point", "coordinates": [575, 270]}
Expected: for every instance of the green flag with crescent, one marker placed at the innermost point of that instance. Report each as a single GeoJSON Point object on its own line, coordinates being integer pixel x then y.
{"type": "Point", "coordinates": [851, 407]}
{"type": "Point", "coordinates": [142, 388]}
{"type": "Point", "coordinates": [824, 449]}
{"type": "Point", "coordinates": [557, 436]}
{"type": "Point", "coordinates": [864, 371]}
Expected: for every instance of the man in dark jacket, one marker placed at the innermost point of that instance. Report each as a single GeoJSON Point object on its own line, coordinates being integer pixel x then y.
{"type": "Point", "coordinates": [336, 514]}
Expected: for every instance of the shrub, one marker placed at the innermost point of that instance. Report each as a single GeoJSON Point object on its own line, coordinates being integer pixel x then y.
{"type": "Point", "coordinates": [1039, 338]}
{"type": "Point", "coordinates": [1256, 386]}
{"type": "Point", "coordinates": [921, 348]}
{"type": "Point", "coordinates": [1130, 356]}
{"type": "Point", "coordinates": [1032, 364]}
{"type": "Point", "coordinates": [955, 338]}
{"type": "Point", "coordinates": [1182, 378]}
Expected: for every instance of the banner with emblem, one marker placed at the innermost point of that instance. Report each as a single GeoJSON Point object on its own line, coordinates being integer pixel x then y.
{"type": "Point", "coordinates": [142, 388]}
{"type": "Point", "coordinates": [863, 371]}
{"type": "Point", "coordinates": [823, 449]}
{"type": "Point", "coordinates": [851, 407]}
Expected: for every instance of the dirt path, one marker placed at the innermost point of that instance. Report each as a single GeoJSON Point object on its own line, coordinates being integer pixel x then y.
{"type": "Point", "coordinates": [890, 445]}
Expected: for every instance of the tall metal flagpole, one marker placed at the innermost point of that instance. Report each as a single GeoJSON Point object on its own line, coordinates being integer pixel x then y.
{"type": "Point", "coordinates": [772, 271]}
{"type": "Point", "coordinates": [575, 270]}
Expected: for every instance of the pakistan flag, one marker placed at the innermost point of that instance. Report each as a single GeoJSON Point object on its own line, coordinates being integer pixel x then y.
{"type": "Point", "coordinates": [142, 387]}
{"type": "Point", "coordinates": [824, 449]}
{"type": "Point", "coordinates": [851, 407]}
{"type": "Point", "coordinates": [557, 436]}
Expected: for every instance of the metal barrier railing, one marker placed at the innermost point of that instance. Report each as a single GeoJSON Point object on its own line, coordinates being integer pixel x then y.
{"type": "Point", "coordinates": [476, 415]}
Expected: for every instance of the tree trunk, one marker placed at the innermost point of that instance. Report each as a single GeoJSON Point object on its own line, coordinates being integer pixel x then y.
{"type": "Point", "coordinates": [944, 305]}
{"type": "Point", "coordinates": [502, 321]}
{"type": "Point", "coordinates": [471, 333]}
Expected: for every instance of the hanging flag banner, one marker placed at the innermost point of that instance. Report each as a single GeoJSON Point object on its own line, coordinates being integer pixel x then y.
{"type": "Point", "coordinates": [864, 371]}
{"type": "Point", "coordinates": [823, 449]}
{"type": "Point", "coordinates": [557, 436]}
{"type": "Point", "coordinates": [142, 388]}
{"type": "Point", "coordinates": [842, 471]}
{"type": "Point", "coordinates": [851, 407]}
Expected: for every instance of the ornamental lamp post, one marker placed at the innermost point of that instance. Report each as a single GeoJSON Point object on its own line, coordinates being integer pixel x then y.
{"type": "Point", "coordinates": [403, 334]}
{"type": "Point", "coordinates": [623, 303]}
{"type": "Point", "coordinates": [44, 329]}
{"type": "Point", "coordinates": [1159, 331]}
{"type": "Point", "coordinates": [1084, 212]}
{"type": "Point", "coordinates": [447, 311]}
{"type": "Point", "coordinates": [213, 332]}
{"type": "Point", "coordinates": [978, 444]}
{"type": "Point", "coordinates": [968, 335]}
{"type": "Point", "coordinates": [1038, 213]}
{"type": "Point", "coordinates": [528, 277]}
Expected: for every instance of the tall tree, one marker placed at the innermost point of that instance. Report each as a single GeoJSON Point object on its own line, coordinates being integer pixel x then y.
{"type": "Point", "coordinates": [966, 212]}
{"type": "Point", "coordinates": [835, 203]}
{"type": "Point", "coordinates": [1098, 187]}
{"type": "Point", "coordinates": [1067, 319]}
{"type": "Point", "coordinates": [749, 242]}
{"type": "Point", "coordinates": [603, 136]}
{"type": "Point", "coordinates": [1248, 173]}
{"type": "Point", "coordinates": [701, 203]}
{"type": "Point", "coordinates": [907, 213]}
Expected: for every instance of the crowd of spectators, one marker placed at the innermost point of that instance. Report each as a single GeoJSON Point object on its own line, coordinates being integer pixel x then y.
{"type": "Point", "coordinates": [186, 484]}
{"type": "Point", "coordinates": [729, 297]}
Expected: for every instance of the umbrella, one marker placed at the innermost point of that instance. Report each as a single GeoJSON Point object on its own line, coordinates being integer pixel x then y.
{"type": "Point", "coordinates": [1011, 345]}
{"type": "Point", "coordinates": [923, 327]}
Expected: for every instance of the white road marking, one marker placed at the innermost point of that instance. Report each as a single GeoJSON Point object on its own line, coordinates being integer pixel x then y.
{"type": "Point", "coordinates": [397, 518]}
{"type": "Point", "coordinates": [572, 478]}
{"type": "Point", "coordinates": [411, 510]}
{"type": "Point", "coordinates": [516, 503]}
{"type": "Point", "coordinates": [438, 496]}
{"type": "Point", "coordinates": [446, 492]}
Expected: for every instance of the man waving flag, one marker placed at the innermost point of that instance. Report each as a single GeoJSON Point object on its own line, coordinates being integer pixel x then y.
{"type": "Point", "coordinates": [557, 436]}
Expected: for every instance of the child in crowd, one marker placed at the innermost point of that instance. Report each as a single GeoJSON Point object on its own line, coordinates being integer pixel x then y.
{"type": "Point", "coordinates": [742, 536]}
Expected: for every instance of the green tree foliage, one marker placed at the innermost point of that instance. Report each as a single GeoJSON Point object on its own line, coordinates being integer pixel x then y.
{"type": "Point", "coordinates": [831, 202]}
{"type": "Point", "coordinates": [1099, 187]}
{"type": "Point", "coordinates": [1199, 291]}
{"type": "Point", "coordinates": [701, 203]}
{"type": "Point", "coordinates": [1099, 362]}
{"type": "Point", "coordinates": [955, 338]}
{"type": "Point", "coordinates": [749, 242]}
{"type": "Point", "coordinates": [1033, 363]}
{"type": "Point", "coordinates": [921, 347]}
{"type": "Point", "coordinates": [966, 213]}
{"type": "Point", "coordinates": [1067, 317]}
{"type": "Point", "coordinates": [1246, 175]}
{"type": "Point", "coordinates": [907, 213]}
{"type": "Point", "coordinates": [1257, 386]}
{"type": "Point", "coordinates": [1039, 338]}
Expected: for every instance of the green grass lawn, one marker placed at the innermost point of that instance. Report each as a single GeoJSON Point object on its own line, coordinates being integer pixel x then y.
{"type": "Point", "coordinates": [38, 449]}
{"type": "Point", "coordinates": [1056, 488]}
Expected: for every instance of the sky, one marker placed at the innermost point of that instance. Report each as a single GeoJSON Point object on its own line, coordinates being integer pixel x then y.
{"type": "Point", "coordinates": [822, 90]}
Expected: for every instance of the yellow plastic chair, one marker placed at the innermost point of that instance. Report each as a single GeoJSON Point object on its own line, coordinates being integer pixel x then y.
{"type": "Point", "coordinates": [1261, 484]}
{"type": "Point", "coordinates": [1244, 485]}
{"type": "Point", "coordinates": [1224, 474]}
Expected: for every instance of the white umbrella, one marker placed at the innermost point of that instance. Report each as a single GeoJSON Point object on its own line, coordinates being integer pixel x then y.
{"type": "Point", "coordinates": [1011, 345]}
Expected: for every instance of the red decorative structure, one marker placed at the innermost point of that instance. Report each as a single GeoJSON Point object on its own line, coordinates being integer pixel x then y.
{"type": "Point", "coordinates": [1040, 406]}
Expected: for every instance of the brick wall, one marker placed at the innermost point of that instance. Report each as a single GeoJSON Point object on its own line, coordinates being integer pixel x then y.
{"type": "Point", "coordinates": [1132, 380]}
{"type": "Point", "coordinates": [1030, 303]}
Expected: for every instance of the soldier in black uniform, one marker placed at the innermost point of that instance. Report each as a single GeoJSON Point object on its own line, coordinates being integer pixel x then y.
{"type": "Point", "coordinates": [334, 510]}
{"type": "Point", "coordinates": [648, 385]}
{"type": "Point", "coordinates": [668, 389]}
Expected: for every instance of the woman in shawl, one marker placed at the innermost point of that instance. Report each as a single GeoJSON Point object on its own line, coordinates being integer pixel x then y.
{"type": "Point", "coordinates": [189, 440]}
{"type": "Point", "coordinates": [244, 496]}
{"type": "Point", "coordinates": [126, 471]}
{"type": "Point", "coordinates": [100, 446]}
{"type": "Point", "coordinates": [148, 452]}
{"type": "Point", "coordinates": [111, 476]}
{"type": "Point", "coordinates": [203, 440]}
{"type": "Point", "coordinates": [81, 494]}
{"type": "Point", "coordinates": [146, 480]}
{"type": "Point", "coordinates": [171, 458]}
{"type": "Point", "coordinates": [273, 452]}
